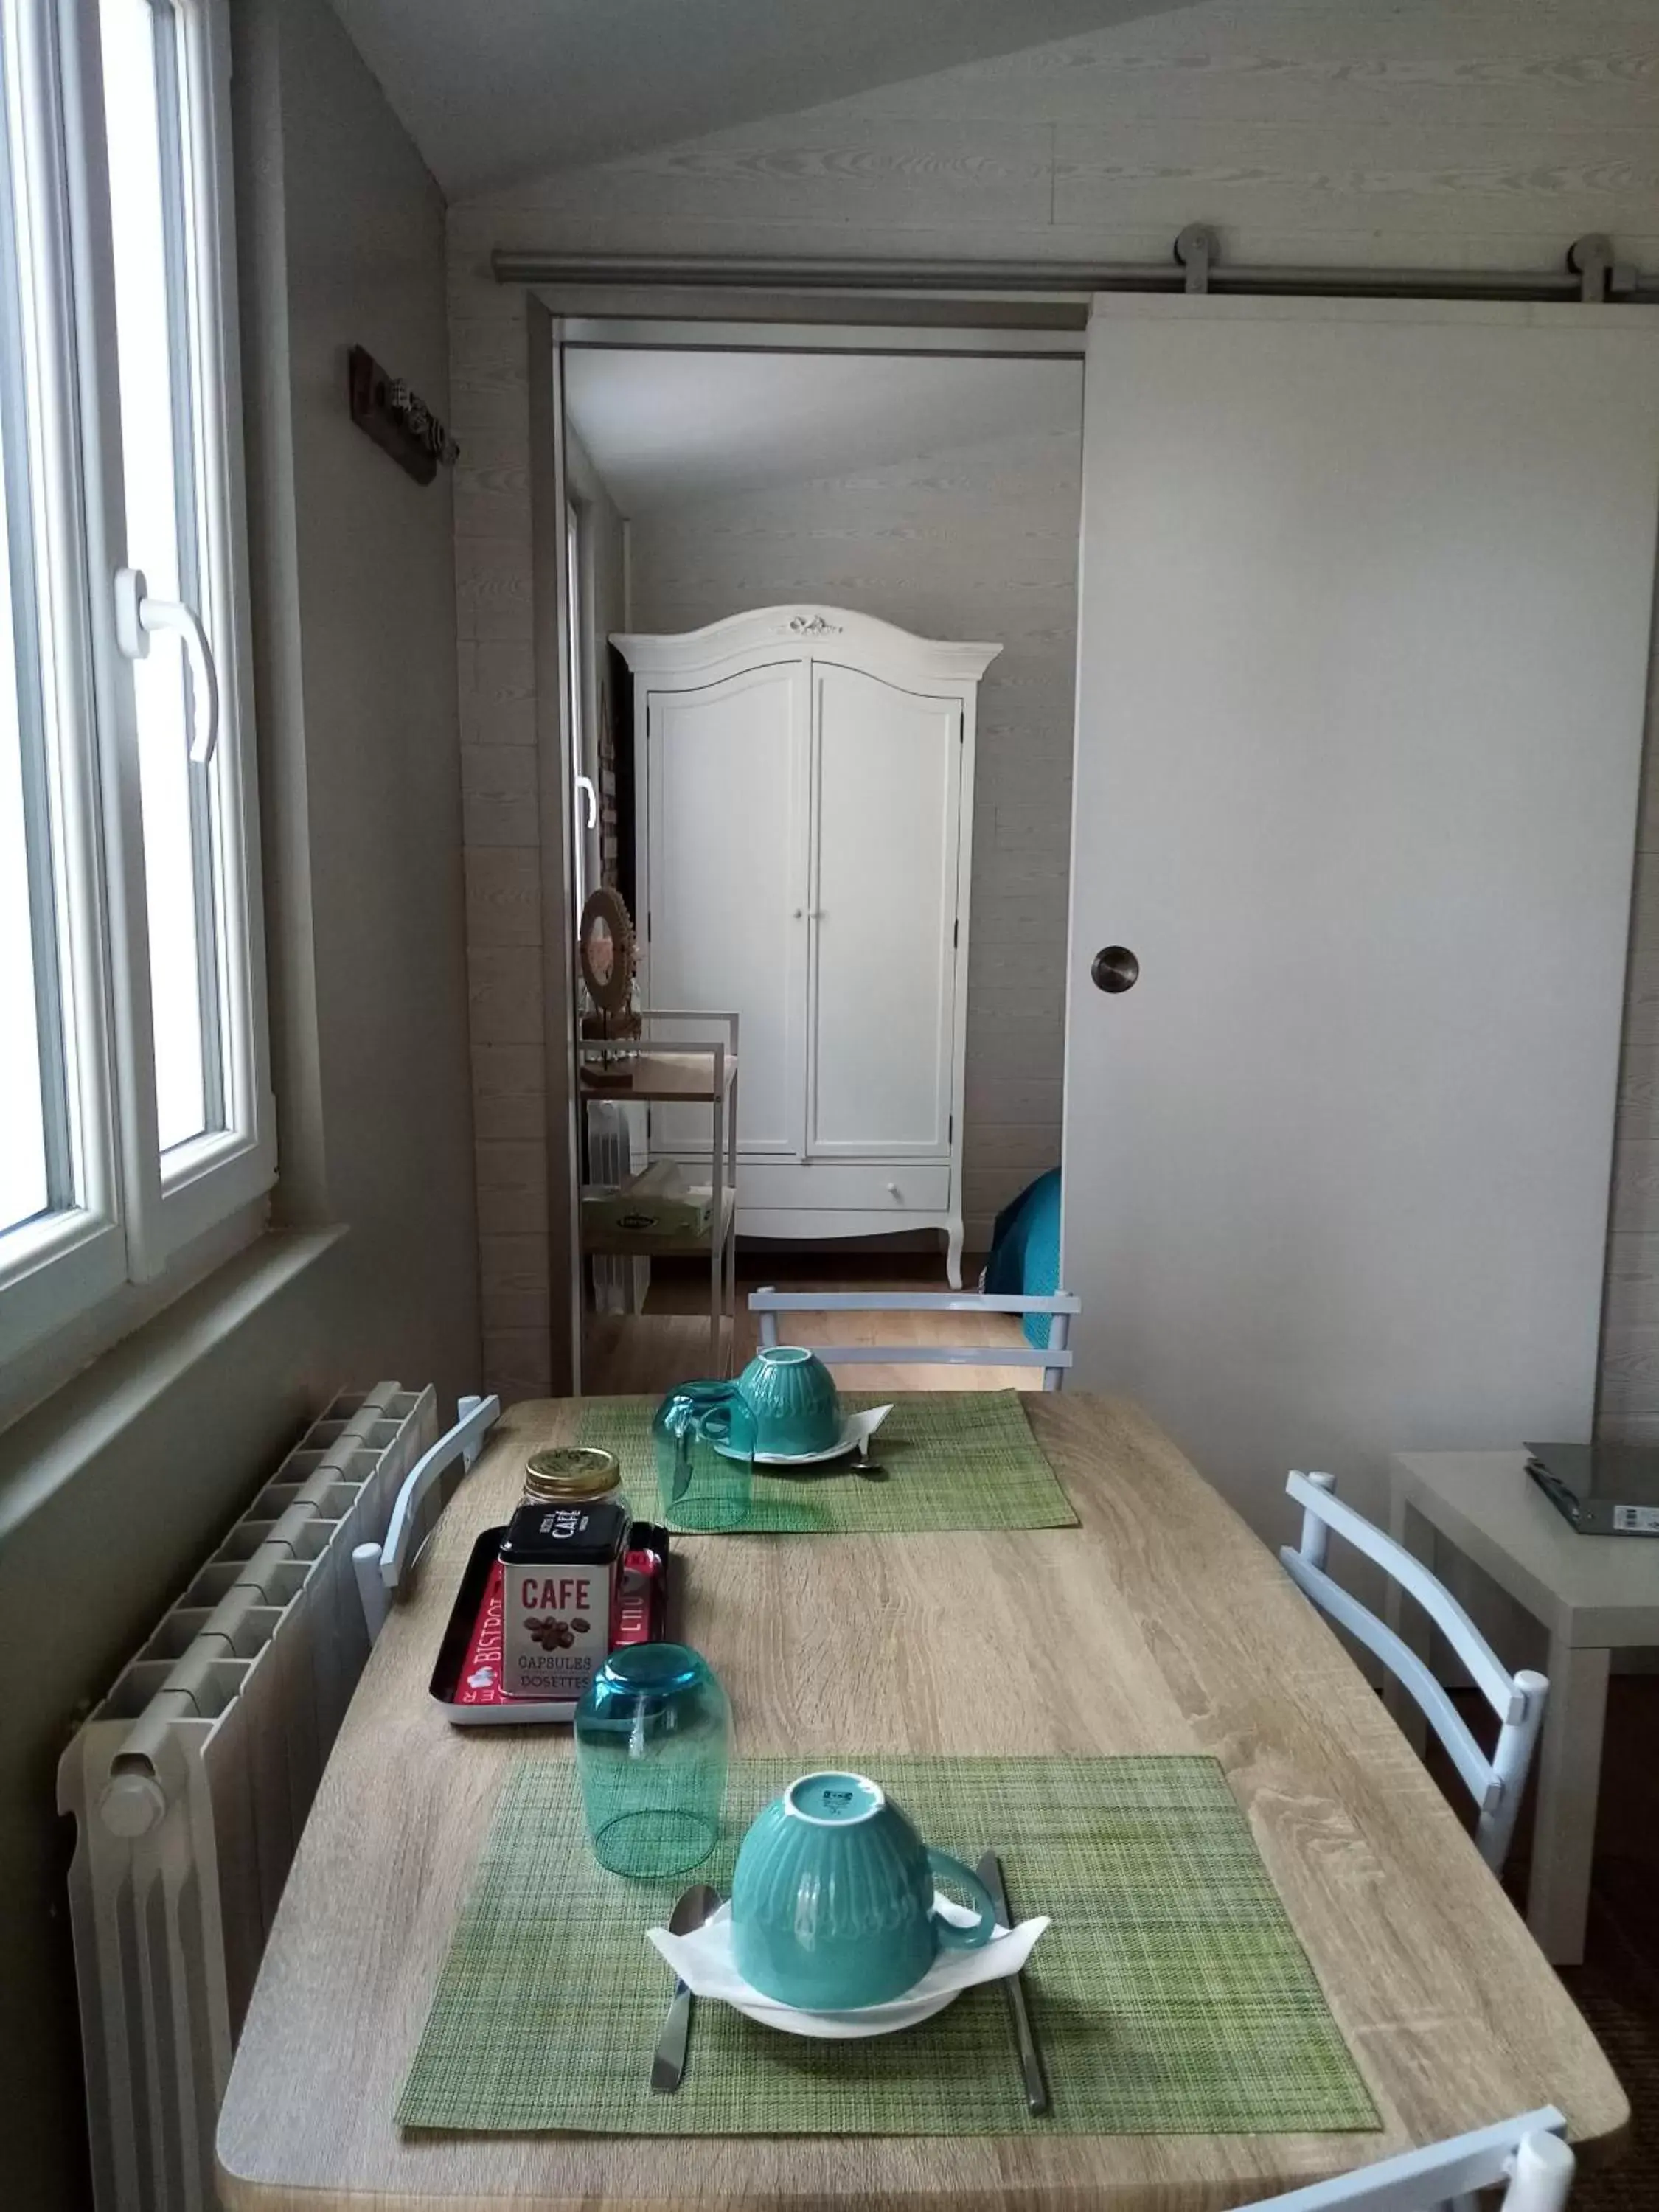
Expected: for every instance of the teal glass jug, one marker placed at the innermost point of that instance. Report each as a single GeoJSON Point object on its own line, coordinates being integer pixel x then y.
{"type": "Point", "coordinates": [703, 1444]}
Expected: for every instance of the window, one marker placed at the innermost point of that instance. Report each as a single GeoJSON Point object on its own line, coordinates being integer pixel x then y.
{"type": "Point", "coordinates": [135, 1113]}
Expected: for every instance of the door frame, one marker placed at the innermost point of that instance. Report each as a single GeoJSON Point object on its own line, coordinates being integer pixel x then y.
{"type": "Point", "coordinates": [668, 320]}
{"type": "Point", "coordinates": [555, 769]}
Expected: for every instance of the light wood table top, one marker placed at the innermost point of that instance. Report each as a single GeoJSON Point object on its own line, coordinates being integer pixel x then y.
{"type": "Point", "coordinates": [1162, 1625]}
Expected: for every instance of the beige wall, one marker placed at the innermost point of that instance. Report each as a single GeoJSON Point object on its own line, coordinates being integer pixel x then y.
{"type": "Point", "coordinates": [976, 540]}
{"type": "Point", "coordinates": [357, 563]}
{"type": "Point", "coordinates": [1307, 129]}
{"type": "Point", "coordinates": [112, 1491]}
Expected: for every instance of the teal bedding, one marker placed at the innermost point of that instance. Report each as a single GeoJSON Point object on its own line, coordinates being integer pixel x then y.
{"type": "Point", "coordinates": [1025, 1251]}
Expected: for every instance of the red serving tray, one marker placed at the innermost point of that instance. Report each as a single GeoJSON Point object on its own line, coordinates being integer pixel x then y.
{"type": "Point", "coordinates": [466, 1680]}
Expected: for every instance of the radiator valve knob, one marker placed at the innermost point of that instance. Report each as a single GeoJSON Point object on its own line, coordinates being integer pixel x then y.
{"type": "Point", "coordinates": [132, 1804]}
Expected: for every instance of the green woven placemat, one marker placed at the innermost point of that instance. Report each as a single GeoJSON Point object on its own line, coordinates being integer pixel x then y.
{"type": "Point", "coordinates": [1170, 1996]}
{"type": "Point", "coordinates": [954, 1459]}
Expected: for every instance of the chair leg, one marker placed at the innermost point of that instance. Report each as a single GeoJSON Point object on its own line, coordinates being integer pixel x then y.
{"type": "Point", "coordinates": [1541, 2176]}
{"type": "Point", "coordinates": [1059, 1339]}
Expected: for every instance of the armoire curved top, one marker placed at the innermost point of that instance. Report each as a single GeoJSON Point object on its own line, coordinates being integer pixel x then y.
{"type": "Point", "coordinates": [855, 640]}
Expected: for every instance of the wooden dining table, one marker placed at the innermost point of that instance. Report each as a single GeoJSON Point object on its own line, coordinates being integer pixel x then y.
{"type": "Point", "coordinates": [1160, 1624]}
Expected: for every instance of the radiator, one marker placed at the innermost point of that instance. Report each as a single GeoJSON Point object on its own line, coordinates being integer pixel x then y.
{"type": "Point", "coordinates": [190, 1783]}
{"type": "Point", "coordinates": [616, 1150]}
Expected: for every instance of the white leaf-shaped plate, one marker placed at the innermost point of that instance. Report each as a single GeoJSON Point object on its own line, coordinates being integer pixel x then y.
{"type": "Point", "coordinates": [855, 1430]}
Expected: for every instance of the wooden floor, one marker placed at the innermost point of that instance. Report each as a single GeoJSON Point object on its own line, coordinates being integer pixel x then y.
{"type": "Point", "coordinates": [670, 1341]}
{"type": "Point", "coordinates": [1617, 1987]}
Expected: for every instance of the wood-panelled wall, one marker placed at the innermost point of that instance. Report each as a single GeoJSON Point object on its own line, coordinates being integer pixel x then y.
{"type": "Point", "coordinates": [1414, 131]}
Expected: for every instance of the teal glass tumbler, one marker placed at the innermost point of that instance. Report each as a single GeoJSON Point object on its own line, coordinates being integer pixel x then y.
{"type": "Point", "coordinates": [702, 1440]}
{"type": "Point", "coordinates": [653, 1734]}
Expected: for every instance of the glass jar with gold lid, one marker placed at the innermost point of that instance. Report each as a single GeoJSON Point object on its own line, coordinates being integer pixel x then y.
{"type": "Point", "coordinates": [571, 1474]}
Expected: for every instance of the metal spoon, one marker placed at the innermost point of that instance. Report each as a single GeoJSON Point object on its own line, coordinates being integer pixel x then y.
{"type": "Point", "coordinates": [698, 1904]}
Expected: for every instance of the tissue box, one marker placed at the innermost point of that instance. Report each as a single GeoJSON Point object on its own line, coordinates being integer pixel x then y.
{"type": "Point", "coordinates": [658, 1202]}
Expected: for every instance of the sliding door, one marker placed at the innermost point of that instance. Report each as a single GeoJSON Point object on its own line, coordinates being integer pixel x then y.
{"type": "Point", "coordinates": [1363, 645]}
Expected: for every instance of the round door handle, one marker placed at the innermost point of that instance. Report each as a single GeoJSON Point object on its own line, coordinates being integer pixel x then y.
{"type": "Point", "coordinates": [1114, 968]}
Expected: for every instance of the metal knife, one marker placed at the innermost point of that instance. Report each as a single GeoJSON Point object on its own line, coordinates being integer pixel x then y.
{"type": "Point", "coordinates": [668, 2064]}
{"type": "Point", "coordinates": [990, 1871]}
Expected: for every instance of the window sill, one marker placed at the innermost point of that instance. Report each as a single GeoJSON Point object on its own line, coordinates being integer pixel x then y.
{"type": "Point", "coordinates": [43, 1447]}
{"type": "Point", "coordinates": [30, 1373]}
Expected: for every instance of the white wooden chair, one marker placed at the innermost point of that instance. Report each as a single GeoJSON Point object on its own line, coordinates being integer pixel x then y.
{"type": "Point", "coordinates": [1054, 1359]}
{"type": "Point", "coordinates": [1526, 2156]}
{"type": "Point", "coordinates": [1496, 1783]}
{"type": "Point", "coordinates": [381, 1568]}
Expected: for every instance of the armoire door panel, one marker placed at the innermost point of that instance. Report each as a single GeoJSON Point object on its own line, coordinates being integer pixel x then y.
{"type": "Point", "coordinates": [886, 773]}
{"type": "Point", "coordinates": [726, 767]}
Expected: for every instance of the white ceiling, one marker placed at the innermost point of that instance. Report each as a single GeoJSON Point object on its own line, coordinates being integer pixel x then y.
{"type": "Point", "coordinates": [492, 91]}
{"type": "Point", "coordinates": [666, 426]}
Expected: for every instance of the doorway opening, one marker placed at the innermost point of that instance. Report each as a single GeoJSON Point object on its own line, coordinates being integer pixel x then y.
{"type": "Point", "coordinates": [819, 822]}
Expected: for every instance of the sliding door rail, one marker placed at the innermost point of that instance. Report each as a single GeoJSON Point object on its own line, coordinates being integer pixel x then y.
{"type": "Point", "coordinates": [976, 294]}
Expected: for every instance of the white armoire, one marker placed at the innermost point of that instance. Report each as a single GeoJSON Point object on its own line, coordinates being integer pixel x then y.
{"type": "Point", "coordinates": [803, 828]}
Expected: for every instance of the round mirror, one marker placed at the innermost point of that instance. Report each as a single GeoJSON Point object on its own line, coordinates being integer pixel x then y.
{"type": "Point", "coordinates": [605, 946]}
{"type": "Point", "coordinates": [601, 950]}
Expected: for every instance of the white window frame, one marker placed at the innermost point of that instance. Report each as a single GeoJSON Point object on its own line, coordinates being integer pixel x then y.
{"type": "Point", "coordinates": [135, 1209]}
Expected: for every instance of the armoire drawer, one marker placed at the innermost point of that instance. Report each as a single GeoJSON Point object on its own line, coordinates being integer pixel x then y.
{"type": "Point", "coordinates": [854, 1186]}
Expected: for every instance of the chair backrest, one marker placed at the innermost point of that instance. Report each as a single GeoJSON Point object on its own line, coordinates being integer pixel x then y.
{"type": "Point", "coordinates": [1496, 1783]}
{"type": "Point", "coordinates": [1054, 1359]}
{"type": "Point", "coordinates": [1526, 2154]}
{"type": "Point", "coordinates": [381, 1568]}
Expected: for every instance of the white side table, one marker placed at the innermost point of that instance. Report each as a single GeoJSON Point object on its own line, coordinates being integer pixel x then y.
{"type": "Point", "coordinates": [1594, 1595]}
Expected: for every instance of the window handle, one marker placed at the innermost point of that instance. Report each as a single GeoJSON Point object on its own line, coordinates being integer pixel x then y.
{"type": "Point", "coordinates": [584, 785]}
{"type": "Point", "coordinates": [138, 616]}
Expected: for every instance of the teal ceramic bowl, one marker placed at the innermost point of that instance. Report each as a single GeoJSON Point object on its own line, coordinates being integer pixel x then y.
{"type": "Point", "coordinates": [832, 1903]}
{"type": "Point", "coordinates": [789, 1391]}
